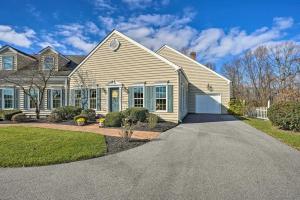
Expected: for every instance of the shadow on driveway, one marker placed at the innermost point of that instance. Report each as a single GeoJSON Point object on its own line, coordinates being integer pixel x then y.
{"type": "Point", "coordinates": [204, 118]}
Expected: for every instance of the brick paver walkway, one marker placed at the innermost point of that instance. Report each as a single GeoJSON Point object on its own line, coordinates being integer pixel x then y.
{"type": "Point", "coordinates": [89, 128]}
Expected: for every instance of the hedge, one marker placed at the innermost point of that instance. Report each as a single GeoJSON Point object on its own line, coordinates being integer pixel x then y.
{"type": "Point", "coordinates": [136, 114]}
{"type": "Point", "coordinates": [285, 115]}
{"type": "Point", "coordinates": [113, 119]}
{"type": "Point", "coordinates": [236, 107]}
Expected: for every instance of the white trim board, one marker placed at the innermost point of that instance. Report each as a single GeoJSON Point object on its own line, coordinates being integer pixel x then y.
{"type": "Point", "coordinates": [192, 60]}
{"type": "Point", "coordinates": [130, 40]}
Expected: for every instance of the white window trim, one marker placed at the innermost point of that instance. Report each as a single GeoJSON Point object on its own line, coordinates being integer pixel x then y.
{"type": "Point", "coordinates": [161, 85]}
{"type": "Point", "coordinates": [2, 97]}
{"type": "Point", "coordinates": [38, 100]}
{"type": "Point", "coordinates": [52, 97]}
{"type": "Point", "coordinates": [12, 62]}
{"type": "Point", "coordinates": [44, 67]}
{"type": "Point", "coordinates": [89, 106]}
{"type": "Point", "coordinates": [136, 86]}
{"type": "Point", "coordinates": [75, 96]}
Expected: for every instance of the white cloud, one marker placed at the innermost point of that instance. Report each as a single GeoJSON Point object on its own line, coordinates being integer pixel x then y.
{"type": "Point", "coordinates": [80, 43]}
{"type": "Point", "coordinates": [283, 22]}
{"type": "Point", "coordinates": [104, 5]}
{"type": "Point", "coordinates": [154, 30]}
{"type": "Point", "coordinates": [23, 39]}
{"type": "Point", "coordinates": [137, 3]}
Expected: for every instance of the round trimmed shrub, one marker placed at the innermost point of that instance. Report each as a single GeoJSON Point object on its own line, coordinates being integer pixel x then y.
{"type": "Point", "coordinates": [91, 114]}
{"type": "Point", "coordinates": [136, 114]}
{"type": "Point", "coordinates": [64, 113]}
{"type": "Point", "coordinates": [285, 115]}
{"type": "Point", "coordinates": [20, 117]}
{"type": "Point", "coordinates": [152, 120]}
{"type": "Point", "coordinates": [113, 119]}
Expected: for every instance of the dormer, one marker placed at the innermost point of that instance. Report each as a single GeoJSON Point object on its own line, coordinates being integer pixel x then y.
{"type": "Point", "coordinates": [13, 59]}
{"type": "Point", "coordinates": [50, 58]}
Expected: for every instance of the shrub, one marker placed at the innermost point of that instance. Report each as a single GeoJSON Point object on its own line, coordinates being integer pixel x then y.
{"type": "Point", "coordinates": [7, 114]}
{"type": "Point", "coordinates": [285, 115]}
{"type": "Point", "coordinates": [152, 120]}
{"type": "Point", "coordinates": [113, 119]}
{"type": "Point", "coordinates": [136, 114]}
{"type": "Point", "coordinates": [81, 116]}
{"type": "Point", "coordinates": [91, 114]}
{"type": "Point", "coordinates": [54, 117]}
{"type": "Point", "coordinates": [64, 113]}
{"type": "Point", "coordinates": [20, 117]}
{"type": "Point", "coordinates": [236, 107]}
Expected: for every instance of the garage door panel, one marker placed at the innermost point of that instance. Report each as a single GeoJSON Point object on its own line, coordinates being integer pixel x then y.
{"type": "Point", "coordinates": [210, 103]}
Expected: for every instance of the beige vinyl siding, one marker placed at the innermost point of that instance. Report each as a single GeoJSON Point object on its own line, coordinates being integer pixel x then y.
{"type": "Point", "coordinates": [8, 52]}
{"type": "Point", "coordinates": [129, 65]}
{"type": "Point", "coordinates": [199, 78]}
{"type": "Point", "coordinates": [183, 81]}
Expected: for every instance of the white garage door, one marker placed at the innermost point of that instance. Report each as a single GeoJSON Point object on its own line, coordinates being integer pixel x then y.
{"type": "Point", "coordinates": [209, 103]}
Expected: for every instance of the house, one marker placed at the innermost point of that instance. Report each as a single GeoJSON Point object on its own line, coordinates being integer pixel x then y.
{"type": "Point", "coordinates": [120, 73]}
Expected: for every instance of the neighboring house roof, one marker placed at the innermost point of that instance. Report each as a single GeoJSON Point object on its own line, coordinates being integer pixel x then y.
{"type": "Point", "coordinates": [16, 51]}
{"type": "Point", "coordinates": [130, 40]}
{"type": "Point", "coordinates": [192, 60]}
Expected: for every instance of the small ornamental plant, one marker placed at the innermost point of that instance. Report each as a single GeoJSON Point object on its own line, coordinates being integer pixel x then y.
{"type": "Point", "coordinates": [101, 122]}
{"type": "Point", "coordinates": [81, 121]}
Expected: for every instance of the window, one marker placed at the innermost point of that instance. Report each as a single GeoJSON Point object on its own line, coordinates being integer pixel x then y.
{"type": "Point", "coordinates": [8, 98]}
{"type": "Point", "coordinates": [35, 95]}
{"type": "Point", "coordinates": [78, 98]}
{"type": "Point", "coordinates": [49, 62]}
{"type": "Point", "coordinates": [161, 98]}
{"type": "Point", "coordinates": [138, 97]}
{"type": "Point", "coordinates": [93, 99]}
{"type": "Point", "coordinates": [56, 98]}
{"type": "Point", "coordinates": [8, 62]}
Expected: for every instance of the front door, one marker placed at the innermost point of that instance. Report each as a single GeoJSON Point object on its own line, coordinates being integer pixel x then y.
{"type": "Point", "coordinates": [114, 97]}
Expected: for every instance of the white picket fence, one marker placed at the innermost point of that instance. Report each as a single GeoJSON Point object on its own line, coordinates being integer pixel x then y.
{"type": "Point", "coordinates": [261, 113]}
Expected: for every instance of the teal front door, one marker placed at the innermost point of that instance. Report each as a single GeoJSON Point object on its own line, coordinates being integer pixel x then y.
{"type": "Point", "coordinates": [114, 97]}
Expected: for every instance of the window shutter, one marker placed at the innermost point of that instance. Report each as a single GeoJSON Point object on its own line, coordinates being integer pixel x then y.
{"type": "Point", "coordinates": [85, 98]}
{"type": "Point", "coordinates": [25, 100]}
{"type": "Point", "coordinates": [43, 101]}
{"type": "Point", "coordinates": [49, 99]}
{"type": "Point", "coordinates": [0, 98]}
{"type": "Point", "coordinates": [150, 98]}
{"type": "Point", "coordinates": [72, 97]}
{"type": "Point", "coordinates": [98, 98]}
{"type": "Point", "coordinates": [16, 98]}
{"type": "Point", "coordinates": [63, 97]}
{"type": "Point", "coordinates": [170, 98]}
{"type": "Point", "coordinates": [130, 97]}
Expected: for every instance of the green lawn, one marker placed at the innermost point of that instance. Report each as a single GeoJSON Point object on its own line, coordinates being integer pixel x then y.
{"type": "Point", "coordinates": [289, 137]}
{"type": "Point", "coordinates": [24, 146]}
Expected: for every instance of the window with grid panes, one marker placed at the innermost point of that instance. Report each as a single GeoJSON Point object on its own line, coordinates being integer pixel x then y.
{"type": "Point", "coordinates": [161, 98]}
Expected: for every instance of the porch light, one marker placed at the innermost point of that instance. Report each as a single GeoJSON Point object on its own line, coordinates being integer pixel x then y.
{"type": "Point", "coordinates": [104, 90]}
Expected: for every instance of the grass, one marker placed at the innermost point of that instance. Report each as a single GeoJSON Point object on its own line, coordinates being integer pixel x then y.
{"type": "Point", "coordinates": [288, 137]}
{"type": "Point", "coordinates": [26, 146]}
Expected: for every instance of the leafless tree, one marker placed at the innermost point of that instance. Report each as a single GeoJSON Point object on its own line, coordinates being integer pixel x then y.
{"type": "Point", "coordinates": [29, 81]}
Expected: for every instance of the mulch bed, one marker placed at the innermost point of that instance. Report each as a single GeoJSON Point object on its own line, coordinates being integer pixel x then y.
{"type": "Point", "coordinates": [117, 144]}
{"type": "Point", "coordinates": [160, 127]}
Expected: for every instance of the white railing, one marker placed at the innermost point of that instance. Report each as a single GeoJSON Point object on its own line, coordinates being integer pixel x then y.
{"type": "Point", "coordinates": [261, 113]}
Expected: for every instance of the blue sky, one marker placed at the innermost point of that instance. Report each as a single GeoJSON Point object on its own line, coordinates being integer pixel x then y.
{"type": "Point", "coordinates": [217, 30]}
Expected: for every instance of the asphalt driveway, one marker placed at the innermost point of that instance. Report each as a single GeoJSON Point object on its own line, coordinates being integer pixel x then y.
{"type": "Point", "coordinates": [208, 157]}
